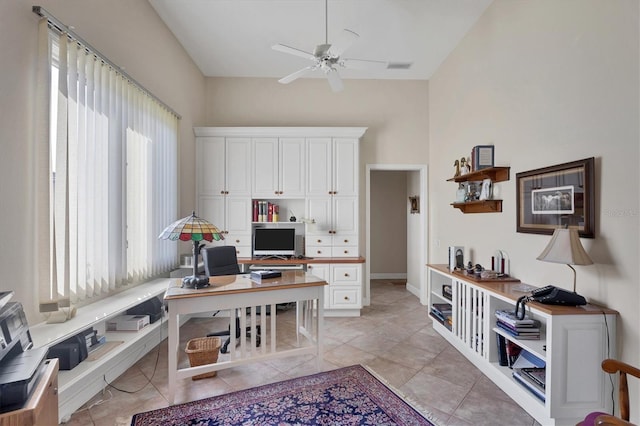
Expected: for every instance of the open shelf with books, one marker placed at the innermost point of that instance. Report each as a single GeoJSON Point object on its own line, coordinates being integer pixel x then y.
{"type": "Point", "coordinates": [541, 375]}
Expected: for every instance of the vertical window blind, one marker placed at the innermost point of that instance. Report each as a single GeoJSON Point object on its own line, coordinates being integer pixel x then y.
{"type": "Point", "coordinates": [107, 181]}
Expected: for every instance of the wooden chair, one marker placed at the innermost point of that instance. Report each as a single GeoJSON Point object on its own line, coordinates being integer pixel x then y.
{"type": "Point", "coordinates": [613, 366]}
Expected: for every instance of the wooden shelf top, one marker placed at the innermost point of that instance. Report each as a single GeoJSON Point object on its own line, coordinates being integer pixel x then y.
{"type": "Point", "coordinates": [296, 261]}
{"type": "Point", "coordinates": [514, 289]}
{"type": "Point", "coordinates": [479, 206]}
{"type": "Point", "coordinates": [496, 174]}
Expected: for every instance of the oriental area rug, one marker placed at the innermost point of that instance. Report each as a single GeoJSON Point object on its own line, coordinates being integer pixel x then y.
{"type": "Point", "coordinates": [346, 396]}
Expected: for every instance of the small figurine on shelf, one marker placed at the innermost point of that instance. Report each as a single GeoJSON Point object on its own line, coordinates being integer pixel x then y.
{"type": "Point", "coordinates": [456, 164]}
{"type": "Point", "coordinates": [464, 168]}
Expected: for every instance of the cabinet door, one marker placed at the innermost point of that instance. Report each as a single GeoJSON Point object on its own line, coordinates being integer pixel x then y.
{"type": "Point", "coordinates": [319, 209]}
{"type": "Point", "coordinates": [210, 157]}
{"type": "Point", "coordinates": [213, 209]}
{"type": "Point", "coordinates": [237, 166]}
{"type": "Point", "coordinates": [319, 166]}
{"type": "Point", "coordinates": [345, 170]}
{"type": "Point", "coordinates": [345, 215]}
{"type": "Point", "coordinates": [265, 168]}
{"type": "Point", "coordinates": [238, 215]}
{"type": "Point", "coordinates": [292, 167]}
{"type": "Point", "coordinates": [322, 271]}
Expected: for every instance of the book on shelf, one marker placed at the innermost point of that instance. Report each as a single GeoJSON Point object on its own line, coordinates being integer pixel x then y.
{"type": "Point", "coordinates": [528, 360]}
{"type": "Point", "coordinates": [512, 350]}
{"type": "Point", "coordinates": [509, 317]}
{"type": "Point", "coordinates": [535, 327]}
{"type": "Point", "coordinates": [535, 375]}
{"type": "Point", "coordinates": [255, 210]}
{"type": "Point", "coordinates": [524, 335]}
{"type": "Point", "coordinates": [502, 350]}
{"type": "Point", "coordinates": [529, 385]}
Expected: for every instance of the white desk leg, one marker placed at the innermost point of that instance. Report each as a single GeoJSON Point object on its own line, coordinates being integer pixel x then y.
{"type": "Point", "coordinates": [320, 328]}
{"type": "Point", "coordinates": [174, 338]}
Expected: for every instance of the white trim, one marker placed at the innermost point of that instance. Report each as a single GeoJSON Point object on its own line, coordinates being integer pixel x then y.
{"type": "Point", "coordinates": [389, 276]}
{"type": "Point", "coordinates": [335, 132]}
{"type": "Point", "coordinates": [419, 289]}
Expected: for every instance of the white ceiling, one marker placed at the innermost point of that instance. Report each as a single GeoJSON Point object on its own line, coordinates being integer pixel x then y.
{"type": "Point", "coordinates": [233, 38]}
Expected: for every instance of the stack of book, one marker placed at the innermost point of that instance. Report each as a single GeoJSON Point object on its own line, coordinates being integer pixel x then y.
{"type": "Point", "coordinates": [265, 211]}
{"type": "Point", "coordinates": [533, 379]}
{"type": "Point", "coordinates": [526, 328]}
{"type": "Point", "coordinates": [442, 313]}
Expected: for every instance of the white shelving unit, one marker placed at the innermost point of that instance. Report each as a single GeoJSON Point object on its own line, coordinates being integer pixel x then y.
{"type": "Point", "coordinates": [573, 342]}
{"type": "Point", "coordinates": [79, 385]}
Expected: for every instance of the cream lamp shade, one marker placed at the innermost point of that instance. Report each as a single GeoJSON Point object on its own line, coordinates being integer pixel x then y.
{"type": "Point", "coordinates": [565, 247]}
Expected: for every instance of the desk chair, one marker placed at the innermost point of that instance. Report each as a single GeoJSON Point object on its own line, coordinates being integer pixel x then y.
{"type": "Point", "coordinates": [623, 370]}
{"type": "Point", "coordinates": [222, 260]}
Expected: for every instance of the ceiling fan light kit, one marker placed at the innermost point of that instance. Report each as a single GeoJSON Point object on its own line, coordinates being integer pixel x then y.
{"type": "Point", "coordinates": [327, 58]}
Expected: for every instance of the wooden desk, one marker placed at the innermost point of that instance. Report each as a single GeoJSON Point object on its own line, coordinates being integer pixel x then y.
{"type": "Point", "coordinates": [41, 409]}
{"type": "Point", "coordinates": [238, 292]}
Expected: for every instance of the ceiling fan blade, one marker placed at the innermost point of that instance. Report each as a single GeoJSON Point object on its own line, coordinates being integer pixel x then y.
{"type": "Point", "coordinates": [363, 64]}
{"type": "Point", "coordinates": [289, 78]}
{"type": "Point", "coordinates": [334, 80]}
{"type": "Point", "coordinates": [344, 40]}
{"type": "Point", "coordinates": [293, 51]}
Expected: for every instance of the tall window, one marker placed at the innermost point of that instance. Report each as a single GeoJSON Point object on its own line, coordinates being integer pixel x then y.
{"type": "Point", "coordinates": [108, 176]}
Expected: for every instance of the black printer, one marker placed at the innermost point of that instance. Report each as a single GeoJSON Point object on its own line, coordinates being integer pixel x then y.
{"type": "Point", "coordinates": [20, 364]}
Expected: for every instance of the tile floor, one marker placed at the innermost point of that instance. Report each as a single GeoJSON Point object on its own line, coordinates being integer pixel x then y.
{"type": "Point", "coordinates": [393, 336]}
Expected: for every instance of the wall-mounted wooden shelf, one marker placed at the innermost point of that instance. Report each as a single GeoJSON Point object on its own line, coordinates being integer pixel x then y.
{"type": "Point", "coordinates": [484, 206]}
{"type": "Point", "coordinates": [496, 174]}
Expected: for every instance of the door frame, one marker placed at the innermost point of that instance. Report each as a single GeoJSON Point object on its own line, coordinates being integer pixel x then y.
{"type": "Point", "coordinates": [422, 169]}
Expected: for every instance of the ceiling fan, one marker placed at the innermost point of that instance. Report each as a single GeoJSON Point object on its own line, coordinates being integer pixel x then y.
{"type": "Point", "coordinates": [327, 57]}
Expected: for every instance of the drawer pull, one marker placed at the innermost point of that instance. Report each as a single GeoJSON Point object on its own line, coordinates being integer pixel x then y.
{"type": "Point", "coordinates": [319, 241]}
{"type": "Point", "coordinates": [346, 298]}
{"type": "Point", "coordinates": [237, 241]}
{"type": "Point", "coordinates": [346, 275]}
{"type": "Point", "coordinates": [319, 251]}
{"type": "Point", "coordinates": [346, 241]}
{"type": "Point", "coordinates": [346, 252]}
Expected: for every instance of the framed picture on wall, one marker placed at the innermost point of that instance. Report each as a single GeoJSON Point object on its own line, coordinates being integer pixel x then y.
{"type": "Point", "coordinates": [560, 196]}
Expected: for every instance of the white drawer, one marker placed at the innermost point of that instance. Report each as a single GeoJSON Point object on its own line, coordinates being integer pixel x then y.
{"type": "Point", "coordinates": [345, 240]}
{"type": "Point", "coordinates": [243, 251]}
{"type": "Point", "coordinates": [345, 251]}
{"type": "Point", "coordinates": [317, 251]}
{"type": "Point", "coordinates": [346, 274]}
{"type": "Point", "coordinates": [318, 240]}
{"type": "Point", "coordinates": [344, 298]}
{"type": "Point", "coordinates": [237, 240]}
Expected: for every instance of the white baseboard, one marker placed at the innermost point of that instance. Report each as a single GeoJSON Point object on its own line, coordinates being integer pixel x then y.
{"type": "Point", "coordinates": [413, 290]}
{"type": "Point", "coordinates": [389, 276]}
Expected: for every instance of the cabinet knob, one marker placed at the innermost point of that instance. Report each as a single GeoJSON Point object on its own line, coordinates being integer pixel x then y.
{"type": "Point", "coordinates": [346, 252]}
{"type": "Point", "coordinates": [319, 251]}
{"type": "Point", "coordinates": [346, 298]}
{"type": "Point", "coordinates": [346, 275]}
{"type": "Point", "coordinates": [309, 266]}
{"type": "Point", "coordinates": [237, 241]}
{"type": "Point", "coordinates": [276, 192]}
{"type": "Point", "coordinates": [222, 192]}
{"type": "Point", "coordinates": [346, 241]}
{"type": "Point", "coordinates": [319, 241]}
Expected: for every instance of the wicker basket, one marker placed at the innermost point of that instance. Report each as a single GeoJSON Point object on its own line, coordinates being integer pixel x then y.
{"type": "Point", "coordinates": [201, 351]}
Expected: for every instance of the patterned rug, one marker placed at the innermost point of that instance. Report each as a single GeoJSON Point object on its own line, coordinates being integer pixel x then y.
{"type": "Point", "coordinates": [346, 396]}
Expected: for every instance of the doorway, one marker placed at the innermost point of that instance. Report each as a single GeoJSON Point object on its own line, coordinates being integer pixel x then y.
{"type": "Point", "coordinates": [396, 226]}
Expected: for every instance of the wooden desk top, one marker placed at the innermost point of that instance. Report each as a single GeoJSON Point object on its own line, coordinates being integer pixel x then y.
{"type": "Point", "coordinates": [230, 284]}
{"type": "Point", "coordinates": [513, 289]}
{"type": "Point", "coordinates": [303, 261]}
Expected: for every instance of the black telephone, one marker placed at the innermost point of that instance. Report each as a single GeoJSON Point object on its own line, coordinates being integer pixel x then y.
{"type": "Point", "coordinates": [550, 295]}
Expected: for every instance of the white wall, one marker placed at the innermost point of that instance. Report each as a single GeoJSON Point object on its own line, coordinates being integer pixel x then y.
{"type": "Point", "coordinates": [131, 35]}
{"type": "Point", "coordinates": [395, 113]}
{"type": "Point", "coordinates": [547, 82]}
{"type": "Point", "coordinates": [388, 216]}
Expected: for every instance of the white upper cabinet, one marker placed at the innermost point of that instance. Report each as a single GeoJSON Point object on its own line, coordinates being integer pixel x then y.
{"type": "Point", "coordinates": [332, 165]}
{"type": "Point", "coordinates": [278, 167]}
{"type": "Point", "coordinates": [221, 165]}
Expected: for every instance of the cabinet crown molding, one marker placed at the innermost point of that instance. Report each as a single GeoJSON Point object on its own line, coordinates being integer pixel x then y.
{"type": "Point", "coordinates": [345, 132]}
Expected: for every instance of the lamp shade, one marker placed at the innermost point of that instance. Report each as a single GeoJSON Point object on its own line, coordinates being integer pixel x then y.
{"type": "Point", "coordinates": [565, 247]}
{"type": "Point", "coordinates": [191, 228]}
